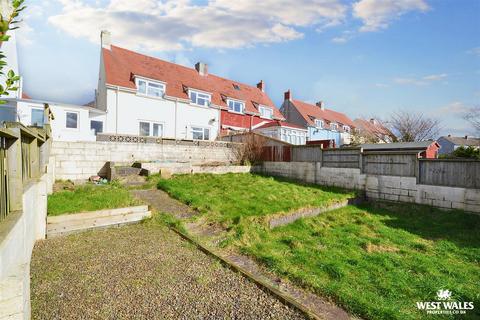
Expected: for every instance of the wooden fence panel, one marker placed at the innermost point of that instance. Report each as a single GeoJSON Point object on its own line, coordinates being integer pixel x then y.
{"type": "Point", "coordinates": [341, 158]}
{"type": "Point", "coordinates": [307, 153]}
{"type": "Point", "coordinates": [26, 160]}
{"type": "Point", "coordinates": [450, 172]}
{"type": "Point", "coordinates": [390, 164]}
{"type": "Point", "coordinates": [4, 190]}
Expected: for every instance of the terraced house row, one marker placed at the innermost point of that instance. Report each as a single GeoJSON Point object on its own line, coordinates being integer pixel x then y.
{"type": "Point", "coordinates": [140, 95]}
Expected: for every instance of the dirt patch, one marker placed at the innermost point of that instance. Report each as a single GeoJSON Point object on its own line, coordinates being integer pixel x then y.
{"type": "Point", "coordinates": [370, 247]}
{"type": "Point", "coordinates": [63, 185]}
{"type": "Point", "coordinates": [161, 202]}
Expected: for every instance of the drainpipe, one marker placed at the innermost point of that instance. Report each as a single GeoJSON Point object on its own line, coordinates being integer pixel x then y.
{"type": "Point", "coordinates": [116, 110]}
{"type": "Point", "coordinates": [175, 128]}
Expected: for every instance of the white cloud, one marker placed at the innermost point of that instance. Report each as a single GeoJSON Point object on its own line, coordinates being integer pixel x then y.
{"type": "Point", "coordinates": [176, 25]}
{"type": "Point", "coordinates": [377, 14]}
{"type": "Point", "coordinates": [455, 107]}
{"type": "Point", "coordinates": [474, 51]}
{"type": "Point", "coordinates": [346, 36]}
{"type": "Point", "coordinates": [420, 81]}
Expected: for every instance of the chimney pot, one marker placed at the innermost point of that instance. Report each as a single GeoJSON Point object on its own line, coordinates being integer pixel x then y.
{"type": "Point", "coordinates": [288, 95]}
{"type": "Point", "coordinates": [449, 135]}
{"type": "Point", "coordinates": [261, 85]}
{"type": "Point", "coordinates": [466, 137]}
{"type": "Point", "coordinates": [106, 39]}
{"type": "Point", "coordinates": [202, 68]}
{"type": "Point", "coordinates": [321, 104]}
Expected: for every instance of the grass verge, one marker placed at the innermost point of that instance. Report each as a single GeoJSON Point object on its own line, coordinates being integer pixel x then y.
{"type": "Point", "coordinates": [90, 197]}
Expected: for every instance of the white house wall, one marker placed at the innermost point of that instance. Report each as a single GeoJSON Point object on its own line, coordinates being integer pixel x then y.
{"type": "Point", "coordinates": [177, 117]}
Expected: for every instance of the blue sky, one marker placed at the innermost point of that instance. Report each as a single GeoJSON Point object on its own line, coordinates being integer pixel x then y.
{"type": "Point", "coordinates": [364, 57]}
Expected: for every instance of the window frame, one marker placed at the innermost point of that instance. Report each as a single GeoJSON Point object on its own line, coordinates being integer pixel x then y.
{"type": "Point", "coordinates": [77, 120]}
{"type": "Point", "coordinates": [95, 131]}
{"type": "Point", "coordinates": [161, 85]}
{"type": "Point", "coordinates": [319, 121]}
{"type": "Point", "coordinates": [31, 116]}
{"type": "Point", "coordinates": [197, 94]}
{"type": "Point", "coordinates": [236, 101]}
{"type": "Point", "coordinates": [203, 130]}
{"type": "Point", "coordinates": [333, 126]}
{"type": "Point", "coordinates": [346, 128]}
{"type": "Point", "coordinates": [260, 108]}
{"type": "Point", "coordinates": [151, 128]}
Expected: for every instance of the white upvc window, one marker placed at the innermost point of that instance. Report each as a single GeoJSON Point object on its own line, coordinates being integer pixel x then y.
{"type": "Point", "coordinates": [71, 120]}
{"type": "Point", "coordinates": [150, 88]}
{"type": "Point", "coordinates": [200, 98]}
{"type": "Point", "coordinates": [346, 128]}
{"type": "Point", "coordinates": [266, 112]}
{"type": "Point", "coordinates": [199, 133]}
{"type": "Point", "coordinates": [235, 106]}
{"type": "Point", "coordinates": [150, 129]}
{"type": "Point", "coordinates": [333, 126]}
{"type": "Point", "coordinates": [318, 123]}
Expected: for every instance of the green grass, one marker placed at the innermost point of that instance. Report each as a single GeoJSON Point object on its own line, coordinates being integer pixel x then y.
{"type": "Point", "coordinates": [89, 197]}
{"type": "Point", "coordinates": [376, 262]}
{"type": "Point", "coordinates": [228, 198]}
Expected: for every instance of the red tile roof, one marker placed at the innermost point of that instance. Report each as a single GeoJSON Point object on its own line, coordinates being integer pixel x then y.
{"type": "Point", "coordinates": [122, 64]}
{"type": "Point", "coordinates": [280, 124]}
{"type": "Point", "coordinates": [372, 128]}
{"type": "Point", "coordinates": [311, 112]}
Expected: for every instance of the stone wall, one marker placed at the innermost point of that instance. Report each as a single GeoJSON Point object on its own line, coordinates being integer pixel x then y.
{"type": "Point", "coordinates": [80, 160]}
{"type": "Point", "coordinates": [393, 188]}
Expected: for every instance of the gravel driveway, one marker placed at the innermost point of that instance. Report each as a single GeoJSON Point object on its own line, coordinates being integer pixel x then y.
{"type": "Point", "coordinates": [140, 272]}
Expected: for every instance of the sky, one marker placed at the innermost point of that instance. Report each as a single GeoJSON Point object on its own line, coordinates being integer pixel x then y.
{"type": "Point", "coordinates": [366, 58]}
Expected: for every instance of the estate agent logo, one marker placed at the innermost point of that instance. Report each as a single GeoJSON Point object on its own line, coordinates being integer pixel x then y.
{"type": "Point", "coordinates": [446, 305]}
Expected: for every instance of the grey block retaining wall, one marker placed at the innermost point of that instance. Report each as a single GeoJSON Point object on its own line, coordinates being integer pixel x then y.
{"type": "Point", "coordinates": [80, 160]}
{"type": "Point", "coordinates": [393, 188]}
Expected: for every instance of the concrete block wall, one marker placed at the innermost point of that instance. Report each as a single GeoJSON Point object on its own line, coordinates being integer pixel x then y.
{"type": "Point", "coordinates": [19, 233]}
{"type": "Point", "coordinates": [392, 188]}
{"type": "Point", "coordinates": [80, 160]}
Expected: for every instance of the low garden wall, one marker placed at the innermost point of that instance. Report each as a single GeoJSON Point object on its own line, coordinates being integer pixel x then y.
{"type": "Point", "coordinates": [384, 187]}
{"type": "Point", "coordinates": [80, 160]}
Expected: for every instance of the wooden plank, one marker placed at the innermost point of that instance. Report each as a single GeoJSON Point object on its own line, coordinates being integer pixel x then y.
{"type": "Point", "coordinates": [95, 214]}
{"type": "Point", "coordinates": [460, 173]}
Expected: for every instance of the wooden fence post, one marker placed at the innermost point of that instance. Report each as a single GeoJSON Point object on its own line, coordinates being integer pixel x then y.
{"type": "Point", "coordinates": [14, 156]}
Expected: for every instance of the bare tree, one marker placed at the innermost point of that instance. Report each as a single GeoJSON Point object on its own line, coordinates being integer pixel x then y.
{"type": "Point", "coordinates": [250, 150]}
{"type": "Point", "coordinates": [473, 116]}
{"type": "Point", "coordinates": [412, 126]}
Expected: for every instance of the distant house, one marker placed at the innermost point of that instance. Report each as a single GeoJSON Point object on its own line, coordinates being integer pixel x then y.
{"type": "Point", "coordinates": [425, 149]}
{"type": "Point", "coordinates": [147, 96]}
{"type": "Point", "coordinates": [321, 123]}
{"type": "Point", "coordinates": [449, 144]}
{"type": "Point", "coordinates": [284, 131]}
{"type": "Point", "coordinates": [373, 131]}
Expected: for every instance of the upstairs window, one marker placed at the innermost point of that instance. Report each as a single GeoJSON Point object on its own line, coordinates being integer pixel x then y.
{"type": "Point", "coordinates": [96, 126]}
{"type": "Point", "coordinates": [346, 128]}
{"type": "Point", "coordinates": [318, 123]}
{"type": "Point", "coordinates": [200, 98]}
{"type": "Point", "coordinates": [71, 120]}
{"type": "Point", "coordinates": [235, 106]}
{"type": "Point", "coordinates": [333, 126]}
{"type": "Point", "coordinates": [150, 88]}
{"type": "Point", "coordinates": [266, 112]}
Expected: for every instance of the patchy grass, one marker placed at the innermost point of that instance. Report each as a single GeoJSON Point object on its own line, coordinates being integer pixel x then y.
{"type": "Point", "coordinates": [89, 197]}
{"type": "Point", "coordinates": [376, 261]}
{"type": "Point", "coordinates": [228, 198]}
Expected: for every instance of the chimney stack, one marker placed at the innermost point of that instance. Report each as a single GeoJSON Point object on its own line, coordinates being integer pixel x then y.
{"type": "Point", "coordinates": [106, 39]}
{"type": "Point", "coordinates": [261, 85]}
{"type": "Point", "coordinates": [466, 137]}
{"type": "Point", "coordinates": [202, 68]}
{"type": "Point", "coordinates": [373, 121]}
{"type": "Point", "coordinates": [321, 104]}
{"type": "Point", "coordinates": [288, 95]}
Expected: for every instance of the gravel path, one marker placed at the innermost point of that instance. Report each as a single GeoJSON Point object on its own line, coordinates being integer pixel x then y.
{"type": "Point", "coordinates": [140, 272]}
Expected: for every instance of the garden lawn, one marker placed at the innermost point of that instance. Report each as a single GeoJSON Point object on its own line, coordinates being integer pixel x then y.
{"type": "Point", "coordinates": [90, 197]}
{"type": "Point", "coordinates": [376, 261]}
{"type": "Point", "coordinates": [227, 198]}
